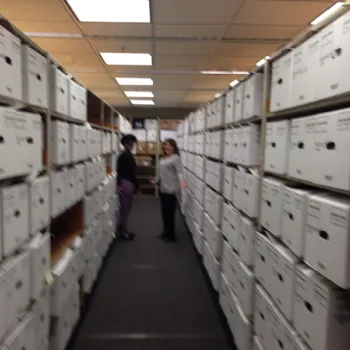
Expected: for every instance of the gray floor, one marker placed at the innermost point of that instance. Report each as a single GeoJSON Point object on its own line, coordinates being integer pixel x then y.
{"type": "Point", "coordinates": [152, 295]}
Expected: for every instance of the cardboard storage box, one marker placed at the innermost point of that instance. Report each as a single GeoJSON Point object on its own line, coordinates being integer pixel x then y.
{"type": "Point", "coordinates": [60, 143]}
{"type": "Point", "coordinates": [152, 147]}
{"type": "Point", "coordinates": [141, 148]}
{"type": "Point", "coordinates": [59, 92]}
{"type": "Point", "coordinates": [144, 161]}
{"type": "Point", "coordinates": [10, 68]}
{"type": "Point", "coordinates": [35, 76]}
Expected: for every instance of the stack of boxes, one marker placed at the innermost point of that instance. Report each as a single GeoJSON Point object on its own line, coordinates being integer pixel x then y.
{"type": "Point", "coordinates": [40, 303]}
{"type": "Point", "coordinates": [278, 251]}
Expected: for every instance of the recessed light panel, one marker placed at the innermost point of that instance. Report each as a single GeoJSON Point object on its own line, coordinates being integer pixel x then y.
{"type": "Point", "coordinates": [117, 11]}
{"type": "Point", "coordinates": [142, 102]}
{"type": "Point", "coordinates": [134, 81]}
{"type": "Point", "coordinates": [127, 59]}
{"type": "Point", "coordinates": [145, 94]}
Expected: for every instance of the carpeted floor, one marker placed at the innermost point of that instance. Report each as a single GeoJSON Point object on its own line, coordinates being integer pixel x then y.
{"type": "Point", "coordinates": [152, 295]}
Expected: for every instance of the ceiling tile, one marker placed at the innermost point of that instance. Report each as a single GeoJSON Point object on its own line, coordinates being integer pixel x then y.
{"type": "Point", "coordinates": [47, 27]}
{"type": "Point", "coordinates": [189, 31]}
{"type": "Point", "coordinates": [108, 93]}
{"type": "Point", "coordinates": [194, 12]}
{"type": "Point", "coordinates": [64, 46]}
{"type": "Point", "coordinates": [34, 10]}
{"type": "Point", "coordinates": [79, 62]}
{"type": "Point", "coordinates": [238, 31]}
{"type": "Point", "coordinates": [246, 49]}
{"type": "Point", "coordinates": [179, 62]}
{"type": "Point", "coordinates": [117, 29]}
{"type": "Point", "coordinates": [127, 46]}
{"type": "Point", "coordinates": [233, 63]}
{"type": "Point", "coordinates": [280, 12]}
{"type": "Point", "coordinates": [173, 82]}
{"type": "Point", "coordinates": [172, 94]}
{"type": "Point", "coordinates": [218, 83]}
{"type": "Point", "coordinates": [96, 80]}
{"type": "Point", "coordinates": [120, 70]}
{"type": "Point", "coordinates": [183, 48]}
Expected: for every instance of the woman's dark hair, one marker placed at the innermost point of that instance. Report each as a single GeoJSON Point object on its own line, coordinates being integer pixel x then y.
{"type": "Point", "coordinates": [128, 139]}
{"type": "Point", "coordinates": [173, 144]}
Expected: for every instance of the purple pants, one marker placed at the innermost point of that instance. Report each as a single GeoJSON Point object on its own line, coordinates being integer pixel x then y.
{"type": "Point", "coordinates": [126, 198]}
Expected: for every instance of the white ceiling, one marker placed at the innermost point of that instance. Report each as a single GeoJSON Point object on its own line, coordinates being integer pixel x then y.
{"type": "Point", "coordinates": [184, 36]}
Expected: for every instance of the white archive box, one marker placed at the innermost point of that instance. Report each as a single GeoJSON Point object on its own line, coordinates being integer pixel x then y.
{"type": "Point", "coordinates": [212, 265]}
{"type": "Point", "coordinates": [152, 135]}
{"type": "Point", "coordinates": [60, 142]}
{"type": "Point", "coordinates": [299, 157]}
{"type": "Point", "coordinates": [73, 104]}
{"type": "Point", "coordinates": [224, 294]}
{"type": "Point", "coordinates": [213, 236]}
{"type": "Point", "coordinates": [40, 263]}
{"type": "Point", "coordinates": [230, 262]}
{"type": "Point", "coordinates": [77, 246]}
{"type": "Point", "coordinates": [19, 131]}
{"type": "Point", "coordinates": [249, 152]}
{"type": "Point", "coordinates": [243, 331]}
{"type": "Point", "coordinates": [82, 103]}
{"type": "Point", "coordinates": [198, 239]}
{"type": "Point", "coordinates": [334, 58]}
{"type": "Point", "coordinates": [23, 335]}
{"type": "Point", "coordinates": [282, 273]}
{"type": "Point", "coordinates": [227, 144]}
{"type": "Point", "coordinates": [238, 184]}
{"type": "Point", "coordinates": [230, 107]}
{"type": "Point", "coordinates": [272, 205]}
{"type": "Point", "coordinates": [213, 205]}
{"type": "Point", "coordinates": [59, 92]}
{"type": "Point", "coordinates": [231, 222]}
{"type": "Point", "coordinates": [11, 65]}
{"type": "Point", "coordinates": [39, 198]}
{"type": "Point", "coordinates": [257, 344]}
{"type": "Point", "coordinates": [239, 102]}
{"type": "Point", "coordinates": [15, 288]}
{"type": "Point", "coordinates": [41, 311]}
{"type": "Point", "coordinates": [327, 237]}
{"type": "Point", "coordinates": [65, 276]}
{"type": "Point", "coordinates": [250, 195]}
{"type": "Point", "coordinates": [245, 289]}
{"type": "Point", "coordinates": [236, 145]}
{"type": "Point", "coordinates": [262, 317]}
{"type": "Point", "coordinates": [80, 181]}
{"type": "Point", "coordinates": [140, 134]}
{"type": "Point", "coordinates": [281, 82]}
{"type": "Point", "coordinates": [305, 72]}
{"type": "Point", "coordinates": [262, 261]}
{"type": "Point", "coordinates": [74, 143]}
{"type": "Point", "coordinates": [253, 96]}
{"type": "Point", "coordinates": [294, 219]}
{"type": "Point", "coordinates": [14, 217]}
{"type": "Point", "coordinates": [327, 142]}
{"type": "Point", "coordinates": [321, 311]}
{"type": "Point", "coordinates": [83, 143]}
{"type": "Point", "coordinates": [228, 182]}
{"type": "Point", "coordinates": [277, 147]}
{"type": "Point", "coordinates": [151, 124]}
{"type": "Point", "coordinates": [35, 77]}
{"type": "Point", "coordinates": [58, 193]}
{"type": "Point", "coordinates": [246, 241]}
{"type": "Point", "coordinates": [71, 187]}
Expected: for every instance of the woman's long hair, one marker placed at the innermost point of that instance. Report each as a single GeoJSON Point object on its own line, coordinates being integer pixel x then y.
{"type": "Point", "coordinates": [173, 144]}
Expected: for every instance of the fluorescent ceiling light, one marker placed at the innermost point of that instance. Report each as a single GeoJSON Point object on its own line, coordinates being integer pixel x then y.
{"type": "Point", "coordinates": [139, 94]}
{"type": "Point", "coordinates": [127, 59]}
{"type": "Point", "coordinates": [142, 102]}
{"type": "Point", "coordinates": [217, 95]}
{"type": "Point", "coordinates": [52, 35]}
{"type": "Point", "coordinates": [223, 72]}
{"type": "Point", "coordinates": [327, 13]}
{"type": "Point", "coordinates": [134, 81]}
{"type": "Point", "coordinates": [118, 11]}
{"type": "Point", "coordinates": [262, 61]}
{"type": "Point", "coordinates": [234, 83]}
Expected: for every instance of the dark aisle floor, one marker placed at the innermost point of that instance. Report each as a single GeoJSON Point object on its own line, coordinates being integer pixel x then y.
{"type": "Point", "coordinates": [152, 295]}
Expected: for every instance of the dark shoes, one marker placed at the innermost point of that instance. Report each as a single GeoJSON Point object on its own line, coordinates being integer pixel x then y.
{"type": "Point", "coordinates": [166, 239]}
{"type": "Point", "coordinates": [127, 236]}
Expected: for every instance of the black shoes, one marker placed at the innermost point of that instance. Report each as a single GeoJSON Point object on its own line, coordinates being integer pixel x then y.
{"type": "Point", "coordinates": [166, 239]}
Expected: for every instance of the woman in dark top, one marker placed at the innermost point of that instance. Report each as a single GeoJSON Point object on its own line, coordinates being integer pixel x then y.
{"type": "Point", "coordinates": [127, 184]}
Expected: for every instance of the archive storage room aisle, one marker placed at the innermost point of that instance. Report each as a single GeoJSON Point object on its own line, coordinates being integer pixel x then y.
{"type": "Point", "coordinates": [152, 295]}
